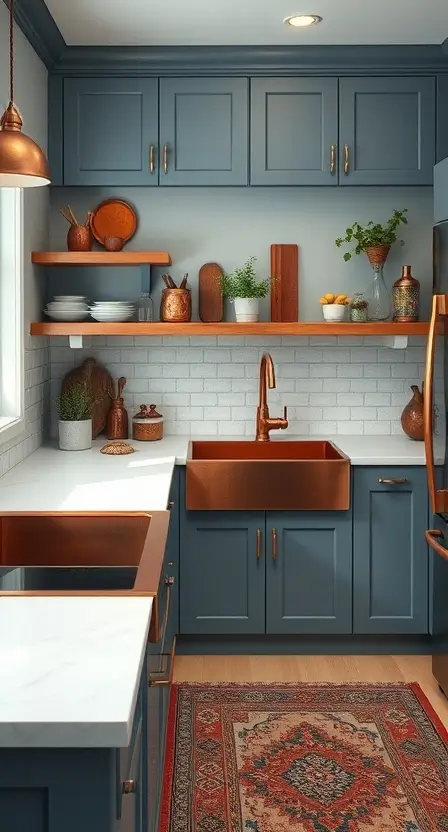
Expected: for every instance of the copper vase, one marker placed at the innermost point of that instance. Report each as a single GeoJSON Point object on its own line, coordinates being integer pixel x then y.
{"type": "Point", "coordinates": [175, 306]}
{"type": "Point", "coordinates": [412, 420]}
{"type": "Point", "coordinates": [406, 297]}
{"type": "Point", "coordinates": [79, 238]}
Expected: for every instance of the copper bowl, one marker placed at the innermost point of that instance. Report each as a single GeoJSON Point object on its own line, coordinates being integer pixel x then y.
{"type": "Point", "coordinates": [113, 243]}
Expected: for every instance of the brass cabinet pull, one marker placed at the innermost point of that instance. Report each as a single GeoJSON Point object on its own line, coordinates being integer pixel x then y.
{"type": "Point", "coordinates": [152, 163]}
{"type": "Point", "coordinates": [346, 159]}
{"type": "Point", "coordinates": [438, 499]}
{"type": "Point", "coordinates": [274, 544]}
{"type": "Point", "coordinates": [430, 536]}
{"type": "Point", "coordinates": [165, 158]}
{"type": "Point", "coordinates": [129, 786]}
{"type": "Point", "coordinates": [258, 544]}
{"type": "Point", "coordinates": [392, 480]}
{"type": "Point", "coordinates": [169, 581]}
{"type": "Point", "coordinates": [159, 677]}
{"type": "Point", "coordinates": [332, 158]}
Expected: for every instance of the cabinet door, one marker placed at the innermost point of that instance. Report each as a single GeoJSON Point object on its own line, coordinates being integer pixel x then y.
{"type": "Point", "coordinates": [294, 129]}
{"type": "Point", "coordinates": [203, 131]}
{"type": "Point", "coordinates": [386, 131]}
{"type": "Point", "coordinates": [390, 569]}
{"type": "Point", "coordinates": [309, 572]}
{"type": "Point", "coordinates": [222, 572]}
{"type": "Point", "coordinates": [109, 127]}
{"type": "Point", "coordinates": [442, 117]}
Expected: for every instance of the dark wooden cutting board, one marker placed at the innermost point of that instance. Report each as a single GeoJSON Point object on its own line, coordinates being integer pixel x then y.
{"type": "Point", "coordinates": [211, 304]}
{"type": "Point", "coordinates": [285, 287]}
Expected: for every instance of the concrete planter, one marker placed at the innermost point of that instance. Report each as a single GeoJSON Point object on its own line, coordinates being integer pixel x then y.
{"type": "Point", "coordinates": [247, 309]}
{"type": "Point", "coordinates": [75, 436]}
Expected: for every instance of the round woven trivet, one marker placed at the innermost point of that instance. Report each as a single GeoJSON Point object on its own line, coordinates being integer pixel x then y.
{"type": "Point", "coordinates": [117, 448]}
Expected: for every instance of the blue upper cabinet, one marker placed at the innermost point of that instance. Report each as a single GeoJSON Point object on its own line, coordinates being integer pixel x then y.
{"type": "Point", "coordinates": [309, 572]}
{"type": "Point", "coordinates": [386, 131]}
{"type": "Point", "coordinates": [390, 567]}
{"type": "Point", "coordinates": [203, 131]}
{"type": "Point", "coordinates": [294, 131]}
{"type": "Point", "coordinates": [110, 129]}
{"type": "Point", "coordinates": [222, 572]}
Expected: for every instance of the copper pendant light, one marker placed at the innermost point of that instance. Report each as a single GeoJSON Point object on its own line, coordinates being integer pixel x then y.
{"type": "Point", "coordinates": [22, 162]}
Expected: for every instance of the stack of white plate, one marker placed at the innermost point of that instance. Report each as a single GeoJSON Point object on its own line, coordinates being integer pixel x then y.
{"type": "Point", "coordinates": [108, 311]}
{"type": "Point", "coordinates": [67, 308]}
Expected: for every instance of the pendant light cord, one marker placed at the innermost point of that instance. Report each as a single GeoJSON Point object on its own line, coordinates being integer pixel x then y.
{"type": "Point", "coordinates": [11, 51]}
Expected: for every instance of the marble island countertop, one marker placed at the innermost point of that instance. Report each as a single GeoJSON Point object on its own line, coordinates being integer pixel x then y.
{"type": "Point", "coordinates": [53, 480]}
{"type": "Point", "coordinates": [70, 669]}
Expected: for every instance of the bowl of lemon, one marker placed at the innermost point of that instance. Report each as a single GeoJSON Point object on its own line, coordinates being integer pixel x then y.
{"type": "Point", "coordinates": [334, 307]}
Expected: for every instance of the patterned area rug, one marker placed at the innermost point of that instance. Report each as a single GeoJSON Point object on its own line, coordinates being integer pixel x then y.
{"type": "Point", "coordinates": [304, 758]}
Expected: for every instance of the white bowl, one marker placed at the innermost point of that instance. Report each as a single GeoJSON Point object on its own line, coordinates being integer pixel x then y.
{"type": "Point", "coordinates": [65, 305]}
{"type": "Point", "coordinates": [71, 298]}
{"type": "Point", "coordinates": [113, 303]}
{"type": "Point", "coordinates": [117, 316]}
{"type": "Point", "coordinates": [66, 316]}
{"type": "Point", "coordinates": [334, 312]}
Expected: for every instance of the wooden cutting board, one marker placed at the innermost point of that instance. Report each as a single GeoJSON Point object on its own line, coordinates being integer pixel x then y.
{"type": "Point", "coordinates": [211, 304]}
{"type": "Point", "coordinates": [285, 287]}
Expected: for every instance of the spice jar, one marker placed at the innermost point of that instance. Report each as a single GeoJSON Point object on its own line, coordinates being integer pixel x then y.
{"type": "Point", "coordinates": [147, 424]}
{"type": "Point", "coordinates": [406, 297]}
{"type": "Point", "coordinates": [359, 309]}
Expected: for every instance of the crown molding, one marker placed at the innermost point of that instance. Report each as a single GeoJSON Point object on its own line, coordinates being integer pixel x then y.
{"type": "Point", "coordinates": [38, 26]}
{"type": "Point", "coordinates": [251, 60]}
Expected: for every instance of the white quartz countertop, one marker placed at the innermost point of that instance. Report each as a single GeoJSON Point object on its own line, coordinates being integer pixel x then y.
{"type": "Point", "coordinates": [70, 669]}
{"type": "Point", "coordinates": [53, 480]}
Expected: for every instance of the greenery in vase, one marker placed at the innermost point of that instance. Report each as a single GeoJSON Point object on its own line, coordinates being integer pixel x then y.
{"type": "Point", "coordinates": [75, 404]}
{"type": "Point", "coordinates": [243, 283]}
{"type": "Point", "coordinates": [372, 234]}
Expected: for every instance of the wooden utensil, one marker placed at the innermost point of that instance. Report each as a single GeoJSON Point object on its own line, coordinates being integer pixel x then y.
{"type": "Point", "coordinates": [113, 218]}
{"type": "Point", "coordinates": [211, 304]}
{"type": "Point", "coordinates": [184, 281]}
{"type": "Point", "coordinates": [285, 282]}
{"type": "Point", "coordinates": [168, 281]}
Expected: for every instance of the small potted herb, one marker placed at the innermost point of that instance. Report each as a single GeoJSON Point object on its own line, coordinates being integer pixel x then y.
{"type": "Point", "coordinates": [75, 418]}
{"type": "Point", "coordinates": [375, 239]}
{"type": "Point", "coordinates": [244, 290]}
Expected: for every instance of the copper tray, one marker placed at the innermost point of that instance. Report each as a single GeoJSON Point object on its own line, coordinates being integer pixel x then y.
{"type": "Point", "coordinates": [113, 218]}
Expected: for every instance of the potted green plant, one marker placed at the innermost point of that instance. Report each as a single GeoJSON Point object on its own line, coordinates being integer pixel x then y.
{"type": "Point", "coordinates": [375, 240]}
{"type": "Point", "coordinates": [244, 289]}
{"type": "Point", "coordinates": [75, 418]}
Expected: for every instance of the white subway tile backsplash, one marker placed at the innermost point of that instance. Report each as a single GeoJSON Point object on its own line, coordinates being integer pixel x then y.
{"type": "Point", "coordinates": [210, 385]}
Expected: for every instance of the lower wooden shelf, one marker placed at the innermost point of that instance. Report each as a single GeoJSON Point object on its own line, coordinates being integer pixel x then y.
{"type": "Point", "coordinates": [310, 328]}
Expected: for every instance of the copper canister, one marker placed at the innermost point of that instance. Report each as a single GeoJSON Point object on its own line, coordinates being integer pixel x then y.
{"type": "Point", "coordinates": [147, 424]}
{"type": "Point", "coordinates": [406, 297]}
{"type": "Point", "coordinates": [175, 306]}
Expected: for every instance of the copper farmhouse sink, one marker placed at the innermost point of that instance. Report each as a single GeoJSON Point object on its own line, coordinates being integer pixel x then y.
{"type": "Point", "coordinates": [307, 476]}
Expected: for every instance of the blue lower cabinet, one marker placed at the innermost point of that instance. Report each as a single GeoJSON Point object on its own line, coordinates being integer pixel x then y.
{"type": "Point", "coordinates": [390, 565]}
{"type": "Point", "coordinates": [309, 572]}
{"type": "Point", "coordinates": [222, 572]}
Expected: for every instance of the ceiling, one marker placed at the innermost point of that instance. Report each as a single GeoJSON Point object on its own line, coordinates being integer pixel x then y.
{"type": "Point", "coordinates": [256, 22]}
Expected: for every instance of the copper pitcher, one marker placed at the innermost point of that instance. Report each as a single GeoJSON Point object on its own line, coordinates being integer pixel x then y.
{"type": "Point", "coordinates": [175, 306]}
{"type": "Point", "coordinates": [412, 420]}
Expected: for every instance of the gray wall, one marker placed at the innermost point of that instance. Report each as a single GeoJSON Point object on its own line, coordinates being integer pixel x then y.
{"type": "Point", "coordinates": [228, 225]}
{"type": "Point", "coordinates": [31, 99]}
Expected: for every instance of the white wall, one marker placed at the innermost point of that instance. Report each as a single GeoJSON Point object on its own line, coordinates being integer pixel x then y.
{"type": "Point", "coordinates": [31, 100]}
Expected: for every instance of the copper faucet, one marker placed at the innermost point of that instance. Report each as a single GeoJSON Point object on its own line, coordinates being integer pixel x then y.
{"type": "Point", "coordinates": [264, 422]}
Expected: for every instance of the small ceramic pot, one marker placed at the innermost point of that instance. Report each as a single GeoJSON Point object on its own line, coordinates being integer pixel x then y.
{"type": "Point", "coordinates": [79, 238]}
{"type": "Point", "coordinates": [247, 309]}
{"type": "Point", "coordinates": [113, 243]}
{"type": "Point", "coordinates": [75, 436]}
{"type": "Point", "coordinates": [334, 312]}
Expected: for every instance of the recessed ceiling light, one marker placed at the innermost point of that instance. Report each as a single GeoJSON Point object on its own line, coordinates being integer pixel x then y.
{"type": "Point", "coordinates": [301, 20]}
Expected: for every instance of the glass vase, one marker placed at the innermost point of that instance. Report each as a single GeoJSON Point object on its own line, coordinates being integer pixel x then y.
{"type": "Point", "coordinates": [379, 300]}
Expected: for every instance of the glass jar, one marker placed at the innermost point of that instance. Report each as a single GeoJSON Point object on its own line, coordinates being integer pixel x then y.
{"type": "Point", "coordinates": [359, 309]}
{"type": "Point", "coordinates": [145, 308]}
{"type": "Point", "coordinates": [379, 300]}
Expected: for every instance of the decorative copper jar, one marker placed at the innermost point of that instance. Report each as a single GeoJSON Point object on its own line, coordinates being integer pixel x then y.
{"type": "Point", "coordinates": [147, 424]}
{"type": "Point", "coordinates": [406, 297]}
{"type": "Point", "coordinates": [412, 420]}
{"type": "Point", "coordinates": [79, 238]}
{"type": "Point", "coordinates": [117, 418]}
{"type": "Point", "coordinates": [175, 306]}
{"type": "Point", "coordinates": [113, 243]}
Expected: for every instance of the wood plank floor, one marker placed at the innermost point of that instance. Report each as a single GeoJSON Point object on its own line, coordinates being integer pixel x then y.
{"type": "Point", "coordinates": [337, 669]}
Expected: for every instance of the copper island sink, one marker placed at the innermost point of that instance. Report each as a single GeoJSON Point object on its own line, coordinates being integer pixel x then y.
{"type": "Point", "coordinates": [282, 475]}
{"type": "Point", "coordinates": [95, 554]}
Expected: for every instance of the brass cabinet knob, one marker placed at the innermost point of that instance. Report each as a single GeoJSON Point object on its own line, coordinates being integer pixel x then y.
{"type": "Point", "coordinates": [332, 158]}
{"type": "Point", "coordinates": [129, 786]}
{"type": "Point", "coordinates": [346, 159]}
{"type": "Point", "coordinates": [165, 158]}
{"type": "Point", "coordinates": [152, 162]}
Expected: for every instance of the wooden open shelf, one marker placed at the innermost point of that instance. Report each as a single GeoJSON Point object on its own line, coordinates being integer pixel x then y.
{"type": "Point", "coordinates": [101, 258]}
{"type": "Point", "coordinates": [309, 328]}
